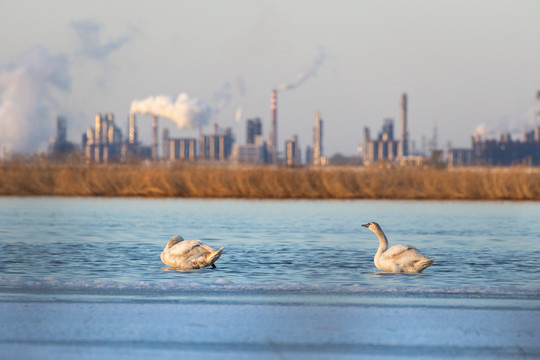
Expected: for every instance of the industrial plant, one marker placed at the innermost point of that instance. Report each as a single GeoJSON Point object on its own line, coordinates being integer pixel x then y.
{"type": "Point", "coordinates": [385, 148]}
{"type": "Point", "coordinates": [502, 152]}
{"type": "Point", "coordinates": [104, 143]}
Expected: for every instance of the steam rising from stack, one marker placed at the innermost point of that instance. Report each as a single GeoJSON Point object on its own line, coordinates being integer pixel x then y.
{"type": "Point", "coordinates": [306, 74]}
{"type": "Point", "coordinates": [26, 101]}
{"type": "Point", "coordinates": [300, 79]}
{"type": "Point", "coordinates": [514, 125]}
{"type": "Point", "coordinates": [185, 112]}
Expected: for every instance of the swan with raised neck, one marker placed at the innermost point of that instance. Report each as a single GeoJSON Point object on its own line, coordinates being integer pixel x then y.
{"type": "Point", "coordinates": [398, 258]}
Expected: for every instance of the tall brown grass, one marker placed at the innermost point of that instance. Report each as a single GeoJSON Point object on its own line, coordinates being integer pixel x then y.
{"type": "Point", "coordinates": [205, 181]}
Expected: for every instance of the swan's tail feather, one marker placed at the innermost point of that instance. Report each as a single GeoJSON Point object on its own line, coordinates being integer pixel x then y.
{"type": "Point", "coordinates": [212, 257]}
{"type": "Point", "coordinates": [424, 263]}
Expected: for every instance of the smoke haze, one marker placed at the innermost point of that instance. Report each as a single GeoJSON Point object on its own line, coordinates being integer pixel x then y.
{"type": "Point", "coordinates": [88, 31]}
{"type": "Point", "coordinates": [238, 114]}
{"type": "Point", "coordinates": [27, 103]}
{"type": "Point", "coordinates": [29, 88]}
{"type": "Point", "coordinates": [223, 97]}
{"type": "Point", "coordinates": [306, 74]}
{"type": "Point", "coordinates": [185, 112]}
{"type": "Point", "coordinates": [514, 125]}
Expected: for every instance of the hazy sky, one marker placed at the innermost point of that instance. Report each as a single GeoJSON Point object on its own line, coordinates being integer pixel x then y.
{"type": "Point", "coordinates": [462, 64]}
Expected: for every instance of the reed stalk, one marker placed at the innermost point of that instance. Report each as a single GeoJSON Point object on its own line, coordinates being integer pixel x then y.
{"type": "Point", "coordinates": [263, 182]}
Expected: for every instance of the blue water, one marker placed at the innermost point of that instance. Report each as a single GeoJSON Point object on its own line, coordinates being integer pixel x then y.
{"type": "Point", "coordinates": [87, 248]}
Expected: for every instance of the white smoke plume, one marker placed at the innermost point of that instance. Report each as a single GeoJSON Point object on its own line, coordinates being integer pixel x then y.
{"type": "Point", "coordinates": [27, 102]}
{"type": "Point", "coordinates": [185, 112]}
{"type": "Point", "coordinates": [514, 125]}
{"type": "Point", "coordinates": [239, 113]}
{"type": "Point", "coordinates": [493, 129]}
{"type": "Point", "coordinates": [306, 74]}
{"type": "Point", "coordinates": [223, 97]}
{"type": "Point", "coordinates": [533, 115]}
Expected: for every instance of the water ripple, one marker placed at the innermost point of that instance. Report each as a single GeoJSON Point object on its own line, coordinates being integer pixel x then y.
{"type": "Point", "coordinates": [312, 244]}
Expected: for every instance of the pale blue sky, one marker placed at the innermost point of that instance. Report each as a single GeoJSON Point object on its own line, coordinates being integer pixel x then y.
{"type": "Point", "coordinates": [462, 63]}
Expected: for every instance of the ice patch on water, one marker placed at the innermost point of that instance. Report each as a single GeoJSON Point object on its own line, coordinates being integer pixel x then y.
{"type": "Point", "coordinates": [50, 284]}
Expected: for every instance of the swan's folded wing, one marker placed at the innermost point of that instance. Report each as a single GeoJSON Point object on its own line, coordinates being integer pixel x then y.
{"type": "Point", "coordinates": [186, 248]}
{"type": "Point", "coordinates": [401, 251]}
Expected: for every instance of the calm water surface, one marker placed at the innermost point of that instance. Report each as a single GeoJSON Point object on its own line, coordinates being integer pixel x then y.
{"type": "Point", "coordinates": [74, 248]}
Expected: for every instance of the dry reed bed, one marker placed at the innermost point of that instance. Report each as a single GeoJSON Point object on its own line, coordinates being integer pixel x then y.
{"type": "Point", "coordinates": [31, 179]}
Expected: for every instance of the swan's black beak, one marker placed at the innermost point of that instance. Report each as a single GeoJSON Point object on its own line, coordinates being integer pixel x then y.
{"type": "Point", "coordinates": [365, 225]}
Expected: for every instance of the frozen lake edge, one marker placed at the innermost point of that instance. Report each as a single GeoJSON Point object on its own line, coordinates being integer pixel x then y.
{"type": "Point", "coordinates": [104, 330]}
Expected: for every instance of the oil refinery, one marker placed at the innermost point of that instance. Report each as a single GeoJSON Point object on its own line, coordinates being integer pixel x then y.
{"type": "Point", "coordinates": [104, 143]}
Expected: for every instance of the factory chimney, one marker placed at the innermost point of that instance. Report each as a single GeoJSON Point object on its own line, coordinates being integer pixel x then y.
{"type": "Point", "coordinates": [154, 138]}
{"type": "Point", "coordinates": [273, 128]}
{"type": "Point", "coordinates": [165, 147]}
{"type": "Point", "coordinates": [404, 131]}
{"type": "Point", "coordinates": [317, 140]}
{"type": "Point", "coordinates": [132, 130]}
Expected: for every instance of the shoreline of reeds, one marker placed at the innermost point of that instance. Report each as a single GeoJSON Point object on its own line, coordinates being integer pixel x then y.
{"type": "Point", "coordinates": [267, 182]}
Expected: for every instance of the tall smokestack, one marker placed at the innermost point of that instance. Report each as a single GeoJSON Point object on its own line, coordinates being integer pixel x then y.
{"type": "Point", "coordinates": [132, 130]}
{"type": "Point", "coordinates": [98, 129]}
{"type": "Point", "coordinates": [317, 140]}
{"type": "Point", "coordinates": [404, 132]}
{"type": "Point", "coordinates": [273, 130]}
{"type": "Point", "coordinates": [165, 146]}
{"type": "Point", "coordinates": [154, 138]}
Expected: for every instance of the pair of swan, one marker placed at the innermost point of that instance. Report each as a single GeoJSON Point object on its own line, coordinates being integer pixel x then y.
{"type": "Point", "coordinates": [194, 254]}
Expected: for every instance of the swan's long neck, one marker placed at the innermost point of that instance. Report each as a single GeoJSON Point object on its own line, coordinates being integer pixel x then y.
{"type": "Point", "coordinates": [383, 241]}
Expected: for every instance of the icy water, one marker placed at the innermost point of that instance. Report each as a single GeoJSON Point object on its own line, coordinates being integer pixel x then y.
{"type": "Point", "coordinates": [79, 249]}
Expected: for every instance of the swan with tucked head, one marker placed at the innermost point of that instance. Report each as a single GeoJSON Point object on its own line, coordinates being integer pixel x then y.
{"type": "Point", "coordinates": [189, 254]}
{"type": "Point", "coordinates": [398, 258]}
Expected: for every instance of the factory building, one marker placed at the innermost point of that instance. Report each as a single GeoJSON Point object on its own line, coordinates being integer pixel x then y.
{"type": "Point", "coordinates": [255, 150]}
{"type": "Point", "coordinates": [309, 155]}
{"type": "Point", "coordinates": [103, 142]}
{"type": "Point", "coordinates": [59, 145]}
{"type": "Point", "coordinates": [292, 151]}
{"type": "Point", "coordinates": [217, 147]}
{"type": "Point", "coordinates": [502, 152]}
{"type": "Point", "coordinates": [385, 147]}
{"type": "Point", "coordinates": [182, 149]}
{"type": "Point", "coordinates": [460, 157]}
{"type": "Point", "coordinates": [250, 154]}
{"type": "Point", "coordinates": [253, 129]}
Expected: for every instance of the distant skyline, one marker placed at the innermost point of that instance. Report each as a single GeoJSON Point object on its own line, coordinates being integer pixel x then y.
{"type": "Point", "coordinates": [465, 65]}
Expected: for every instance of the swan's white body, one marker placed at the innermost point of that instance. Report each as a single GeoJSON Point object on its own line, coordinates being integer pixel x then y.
{"type": "Point", "coordinates": [189, 254]}
{"type": "Point", "coordinates": [398, 258]}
